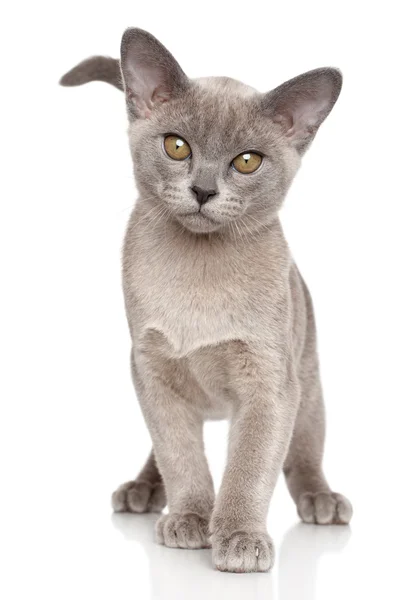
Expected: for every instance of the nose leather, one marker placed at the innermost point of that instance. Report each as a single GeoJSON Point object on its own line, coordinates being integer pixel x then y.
{"type": "Point", "coordinates": [202, 195]}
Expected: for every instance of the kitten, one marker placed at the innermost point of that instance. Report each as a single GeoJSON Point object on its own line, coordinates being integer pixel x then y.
{"type": "Point", "coordinates": [221, 321]}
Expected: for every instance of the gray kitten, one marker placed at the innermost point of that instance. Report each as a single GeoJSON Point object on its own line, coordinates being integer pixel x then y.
{"type": "Point", "coordinates": [221, 321]}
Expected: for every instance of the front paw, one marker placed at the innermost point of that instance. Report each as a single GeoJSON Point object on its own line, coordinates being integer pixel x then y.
{"type": "Point", "coordinates": [242, 552]}
{"type": "Point", "coordinates": [188, 530]}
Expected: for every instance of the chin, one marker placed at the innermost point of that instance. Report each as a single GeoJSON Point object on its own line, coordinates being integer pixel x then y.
{"type": "Point", "coordinates": [199, 223]}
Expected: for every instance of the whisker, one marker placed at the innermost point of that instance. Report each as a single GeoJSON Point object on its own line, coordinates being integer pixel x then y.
{"type": "Point", "coordinates": [262, 225]}
{"type": "Point", "coordinates": [234, 233]}
{"type": "Point", "coordinates": [155, 218]}
{"type": "Point", "coordinates": [239, 232]}
{"type": "Point", "coordinates": [244, 224]}
{"type": "Point", "coordinates": [148, 213]}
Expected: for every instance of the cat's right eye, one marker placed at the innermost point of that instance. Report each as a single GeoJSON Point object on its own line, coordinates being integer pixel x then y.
{"type": "Point", "coordinates": [176, 147]}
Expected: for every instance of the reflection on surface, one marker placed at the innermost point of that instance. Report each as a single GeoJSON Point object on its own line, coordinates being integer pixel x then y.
{"type": "Point", "coordinates": [299, 553]}
{"type": "Point", "coordinates": [188, 574]}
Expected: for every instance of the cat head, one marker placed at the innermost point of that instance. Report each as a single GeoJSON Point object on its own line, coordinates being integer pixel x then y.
{"type": "Point", "coordinates": [213, 152]}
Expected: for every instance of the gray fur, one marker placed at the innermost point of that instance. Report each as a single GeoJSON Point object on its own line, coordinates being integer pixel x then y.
{"type": "Point", "coordinates": [95, 68]}
{"type": "Point", "coordinates": [221, 321]}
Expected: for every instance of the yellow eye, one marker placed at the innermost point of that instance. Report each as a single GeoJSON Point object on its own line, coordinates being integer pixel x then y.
{"type": "Point", "coordinates": [248, 162]}
{"type": "Point", "coordinates": [176, 147]}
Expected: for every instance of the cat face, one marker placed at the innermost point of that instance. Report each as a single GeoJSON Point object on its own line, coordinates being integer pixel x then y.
{"type": "Point", "coordinates": [213, 152]}
{"type": "Point", "coordinates": [211, 158]}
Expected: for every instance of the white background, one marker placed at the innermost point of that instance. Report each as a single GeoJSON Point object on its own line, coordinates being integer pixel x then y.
{"type": "Point", "coordinates": [71, 429]}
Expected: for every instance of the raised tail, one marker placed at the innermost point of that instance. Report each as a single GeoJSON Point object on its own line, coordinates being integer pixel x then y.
{"type": "Point", "coordinates": [95, 68]}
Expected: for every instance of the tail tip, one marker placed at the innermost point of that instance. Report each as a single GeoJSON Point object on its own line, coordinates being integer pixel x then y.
{"type": "Point", "coordinates": [66, 80]}
{"type": "Point", "coordinates": [95, 68]}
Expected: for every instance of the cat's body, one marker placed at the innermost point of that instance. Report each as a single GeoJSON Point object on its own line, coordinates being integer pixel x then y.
{"type": "Point", "coordinates": [221, 322]}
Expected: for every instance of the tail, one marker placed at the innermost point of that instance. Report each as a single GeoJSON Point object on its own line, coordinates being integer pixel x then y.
{"type": "Point", "coordinates": [96, 68]}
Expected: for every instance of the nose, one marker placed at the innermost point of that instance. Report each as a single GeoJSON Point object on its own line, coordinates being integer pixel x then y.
{"type": "Point", "coordinates": [202, 195]}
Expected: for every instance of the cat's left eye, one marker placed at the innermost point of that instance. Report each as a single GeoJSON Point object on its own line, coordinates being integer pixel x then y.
{"type": "Point", "coordinates": [248, 162]}
{"type": "Point", "coordinates": [176, 147]}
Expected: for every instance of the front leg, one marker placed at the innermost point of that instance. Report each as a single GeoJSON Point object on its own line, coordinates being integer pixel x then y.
{"type": "Point", "coordinates": [167, 395]}
{"type": "Point", "coordinates": [267, 394]}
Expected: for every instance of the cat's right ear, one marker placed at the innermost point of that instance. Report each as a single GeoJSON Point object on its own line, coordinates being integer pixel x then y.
{"type": "Point", "coordinates": [150, 73]}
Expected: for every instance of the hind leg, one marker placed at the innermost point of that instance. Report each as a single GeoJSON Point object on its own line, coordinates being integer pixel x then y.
{"type": "Point", "coordinates": [145, 494]}
{"type": "Point", "coordinates": [315, 501]}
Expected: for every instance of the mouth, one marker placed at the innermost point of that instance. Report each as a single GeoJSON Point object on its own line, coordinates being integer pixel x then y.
{"type": "Point", "coordinates": [198, 222]}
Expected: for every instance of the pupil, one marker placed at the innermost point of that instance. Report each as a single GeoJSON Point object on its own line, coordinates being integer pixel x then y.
{"type": "Point", "coordinates": [179, 144]}
{"type": "Point", "coordinates": [246, 157]}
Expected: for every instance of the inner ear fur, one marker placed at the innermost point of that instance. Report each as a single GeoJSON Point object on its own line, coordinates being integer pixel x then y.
{"type": "Point", "coordinates": [150, 73]}
{"type": "Point", "coordinates": [301, 104]}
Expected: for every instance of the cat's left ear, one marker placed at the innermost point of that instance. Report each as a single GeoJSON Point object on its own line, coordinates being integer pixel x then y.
{"type": "Point", "coordinates": [150, 73]}
{"type": "Point", "coordinates": [301, 104]}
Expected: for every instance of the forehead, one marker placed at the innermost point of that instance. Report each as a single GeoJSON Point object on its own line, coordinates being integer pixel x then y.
{"type": "Point", "coordinates": [218, 114]}
{"type": "Point", "coordinates": [225, 87]}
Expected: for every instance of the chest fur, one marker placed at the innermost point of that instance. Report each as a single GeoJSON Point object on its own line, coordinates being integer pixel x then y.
{"type": "Point", "coordinates": [198, 295]}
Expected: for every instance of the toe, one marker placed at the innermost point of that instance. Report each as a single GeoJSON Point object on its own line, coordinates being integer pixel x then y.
{"type": "Point", "coordinates": [344, 509]}
{"type": "Point", "coordinates": [169, 532]}
{"type": "Point", "coordinates": [137, 497]}
{"type": "Point", "coordinates": [118, 499]}
{"type": "Point", "coordinates": [192, 531]}
{"type": "Point", "coordinates": [305, 508]}
{"type": "Point", "coordinates": [159, 530]}
{"type": "Point", "coordinates": [324, 509]}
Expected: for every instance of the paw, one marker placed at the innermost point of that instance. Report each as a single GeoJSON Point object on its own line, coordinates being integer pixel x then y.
{"type": "Point", "coordinates": [243, 552]}
{"type": "Point", "coordinates": [187, 530]}
{"type": "Point", "coordinates": [139, 497]}
{"type": "Point", "coordinates": [324, 509]}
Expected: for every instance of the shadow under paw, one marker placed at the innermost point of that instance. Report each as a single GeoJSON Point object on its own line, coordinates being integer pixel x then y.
{"type": "Point", "coordinates": [324, 509]}
{"type": "Point", "coordinates": [139, 497]}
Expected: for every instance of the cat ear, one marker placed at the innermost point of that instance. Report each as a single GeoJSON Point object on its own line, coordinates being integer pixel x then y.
{"type": "Point", "coordinates": [151, 74]}
{"type": "Point", "coordinates": [301, 104]}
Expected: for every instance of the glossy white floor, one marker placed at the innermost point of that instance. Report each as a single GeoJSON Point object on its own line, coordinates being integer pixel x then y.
{"type": "Point", "coordinates": [60, 539]}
